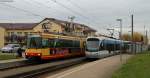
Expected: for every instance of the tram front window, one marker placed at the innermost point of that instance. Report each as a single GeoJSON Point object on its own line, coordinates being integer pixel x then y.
{"type": "Point", "coordinates": [34, 42]}
{"type": "Point", "coordinates": [92, 45]}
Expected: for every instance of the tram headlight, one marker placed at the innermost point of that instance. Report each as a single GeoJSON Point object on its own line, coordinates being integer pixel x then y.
{"type": "Point", "coordinates": [39, 54]}
{"type": "Point", "coordinates": [26, 53]}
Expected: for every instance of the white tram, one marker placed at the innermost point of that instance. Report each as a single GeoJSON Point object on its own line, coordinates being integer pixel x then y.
{"type": "Point", "coordinates": [99, 47]}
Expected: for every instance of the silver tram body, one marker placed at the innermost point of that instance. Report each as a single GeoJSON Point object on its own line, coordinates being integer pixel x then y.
{"type": "Point", "coordinates": [99, 47]}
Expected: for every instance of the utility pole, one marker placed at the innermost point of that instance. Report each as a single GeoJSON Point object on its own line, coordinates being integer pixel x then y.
{"type": "Point", "coordinates": [132, 33]}
{"type": "Point", "coordinates": [144, 30]}
{"type": "Point", "coordinates": [146, 37]}
{"type": "Point", "coordinates": [71, 24]}
{"type": "Point", "coordinates": [120, 20]}
{"type": "Point", "coordinates": [145, 34]}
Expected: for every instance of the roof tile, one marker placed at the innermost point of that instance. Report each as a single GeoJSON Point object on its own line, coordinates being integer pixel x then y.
{"type": "Point", "coordinates": [18, 26]}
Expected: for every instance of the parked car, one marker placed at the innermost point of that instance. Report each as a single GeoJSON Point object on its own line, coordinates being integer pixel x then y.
{"type": "Point", "coordinates": [10, 48]}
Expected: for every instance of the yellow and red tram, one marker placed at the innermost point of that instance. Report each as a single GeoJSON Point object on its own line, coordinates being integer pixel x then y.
{"type": "Point", "coordinates": [51, 46]}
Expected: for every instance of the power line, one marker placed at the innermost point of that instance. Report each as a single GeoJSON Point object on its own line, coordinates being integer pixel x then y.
{"type": "Point", "coordinates": [62, 6]}
{"type": "Point", "coordinates": [29, 2]}
{"type": "Point", "coordinates": [75, 12]}
{"type": "Point", "coordinates": [48, 7]}
{"type": "Point", "coordinates": [67, 8]}
{"type": "Point", "coordinates": [76, 5]}
{"type": "Point", "coordinates": [23, 10]}
{"type": "Point", "coordinates": [34, 14]}
{"type": "Point", "coordinates": [38, 3]}
{"type": "Point", "coordinates": [26, 11]}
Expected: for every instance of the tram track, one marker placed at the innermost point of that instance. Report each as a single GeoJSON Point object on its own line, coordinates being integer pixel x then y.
{"type": "Point", "coordinates": [23, 63]}
{"type": "Point", "coordinates": [17, 64]}
{"type": "Point", "coordinates": [34, 70]}
{"type": "Point", "coordinates": [47, 72]}
{"type": "Point", "coordinates": [88, 60]}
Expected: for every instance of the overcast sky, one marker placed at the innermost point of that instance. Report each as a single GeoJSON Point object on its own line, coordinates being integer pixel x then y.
{"type": "Point", "coordinates": [99, 14]}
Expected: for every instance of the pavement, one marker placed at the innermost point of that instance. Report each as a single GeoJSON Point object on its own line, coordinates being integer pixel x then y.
{"type": "Point", "coordinates": [103, 68]}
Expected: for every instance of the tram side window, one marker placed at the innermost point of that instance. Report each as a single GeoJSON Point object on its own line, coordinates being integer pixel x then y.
{"type": "Point", "coordinates": [68, 43]}
{"type": "Point", "coordinates": [34, 42]}
{"type": "Point", "coordinates": [59, 43]}
{"type": "Point", "coordinates": [117, 46]}
{"type": "Point", "coordinates": [51, 42]}
{"type": "Point", "coordinates": [45, 43]}
{"type": "Point", "coordinates": [64, 43]}
{"type": "Point", "coordinates": [102, 46]}
{"type": "Point", "coordinates": [76, 43]}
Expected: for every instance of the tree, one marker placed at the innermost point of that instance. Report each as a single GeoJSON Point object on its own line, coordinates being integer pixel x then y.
{"type": "Point", "coordinates": [137, 37]}
{"type": "Point", "coordinates": [126, 37]}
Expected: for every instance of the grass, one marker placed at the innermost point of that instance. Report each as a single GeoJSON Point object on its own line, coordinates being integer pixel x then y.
{"type": "Point", "coordinates": [6, 56]}
{"type": "Point", "coordinates": [137, 67]}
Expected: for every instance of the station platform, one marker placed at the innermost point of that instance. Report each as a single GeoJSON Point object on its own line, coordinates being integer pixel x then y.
{"type": "Point", "coordinates": [102, 68]}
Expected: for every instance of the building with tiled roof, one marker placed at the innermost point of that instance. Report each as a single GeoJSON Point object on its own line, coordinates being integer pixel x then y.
{"type": "Point", "coordinates": [18, 26]}
{"type": "Point", "coordinates": [17, 32]}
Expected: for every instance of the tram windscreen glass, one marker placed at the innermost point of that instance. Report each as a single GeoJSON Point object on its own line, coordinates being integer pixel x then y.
{"type": "Point", "coordinates": [34, 42]}
{"type": "Point", "coordinates": [92, 44]}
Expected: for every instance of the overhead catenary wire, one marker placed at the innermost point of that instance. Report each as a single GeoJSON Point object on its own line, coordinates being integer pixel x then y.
{"type": "Point", "coordinates": [41, 4]}
{"type": "Point", "coordinates": [67, 8]}
{"type": "Point", "coordinates": [38, 15]}
{"type": "Point", "coordinates": [75, 12]}
{"type": "Point", "coordinates": [76, 5]}
{"type": "Point", "coordinates": [81, 9]}
{"type": "Point", "coordinates": [38, 3]}
{"type": "Point", "coordinates": [46, 6]}
{"type": "Point", "coordinates": [34, 14]}
{"type": "Point", "coordinates": [23, 10]}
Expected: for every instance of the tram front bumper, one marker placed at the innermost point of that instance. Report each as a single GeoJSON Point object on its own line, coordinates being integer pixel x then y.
{"type": "Point", "coordinates": [92, 55]}
{"type": "Point", "coordinates": [33, 54]}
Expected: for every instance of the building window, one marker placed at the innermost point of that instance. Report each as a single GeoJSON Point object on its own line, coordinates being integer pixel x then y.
{"type": "Point", "coordinates": [8, 33]}
{"type": "Point", "coordinates": [19, 33]}
{"type": "Point", "coordinates": [12, 33]}
{"type": "Point", "coordinates": [31, 33]}
{"type": "Point", "coordinates": [54, 30]}
{"type": "Point", "coordinates": [25, 33]}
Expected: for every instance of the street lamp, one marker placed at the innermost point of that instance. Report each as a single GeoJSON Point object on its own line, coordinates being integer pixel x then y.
{"type": "Point", "coordinates": [71, 27]}
{"type": "Point", "coordinates": [120, 20]}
